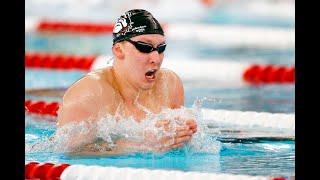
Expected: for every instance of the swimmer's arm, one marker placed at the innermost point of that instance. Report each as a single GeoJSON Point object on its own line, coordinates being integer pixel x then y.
{"type": "Point", "coordinates": [177, 97]}
{"type": "Point", "coordinates": [81, 103]}
{"type": "Point", "coordinates": [97, 148]}
{"type": "Point", "coordinates": [176, 91]}
{"type": "Point", "coordinates": [102, 148]}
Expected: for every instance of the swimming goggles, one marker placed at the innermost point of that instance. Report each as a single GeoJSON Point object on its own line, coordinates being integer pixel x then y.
{"type": "Point", "coordinates": [147, 48]}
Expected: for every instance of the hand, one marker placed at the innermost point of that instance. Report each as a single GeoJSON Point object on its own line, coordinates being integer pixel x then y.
{"type": "Point", "coordinates": [192, 125]}
{"type": "Point", "coordinates": [183, 134]}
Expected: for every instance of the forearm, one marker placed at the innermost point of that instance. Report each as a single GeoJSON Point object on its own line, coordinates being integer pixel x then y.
{"type": "Point", "coordinates": [102, 148]}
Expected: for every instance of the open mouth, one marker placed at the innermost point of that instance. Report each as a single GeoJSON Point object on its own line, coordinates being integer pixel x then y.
{"type": "Point", "coordinates": [151, 74]}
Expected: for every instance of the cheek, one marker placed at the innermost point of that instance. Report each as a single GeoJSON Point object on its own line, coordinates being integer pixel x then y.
{"type": "Point", "coordinates": [137, 66]}
{"type": "Point", "coordinates": [141, 64]}
{"type": "Point", "coordinates": [161, 58]}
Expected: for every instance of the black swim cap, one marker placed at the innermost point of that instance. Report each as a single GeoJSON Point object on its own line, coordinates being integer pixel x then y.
{"type": "Point", "coordinates": [133, 23]}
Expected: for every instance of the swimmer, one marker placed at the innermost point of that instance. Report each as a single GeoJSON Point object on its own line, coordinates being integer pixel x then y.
{"type": "Point", "coordinates": [134, 80]}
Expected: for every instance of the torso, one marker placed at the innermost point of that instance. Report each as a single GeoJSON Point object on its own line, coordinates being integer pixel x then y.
{"type": "Point", "coordinates": [153, 100]}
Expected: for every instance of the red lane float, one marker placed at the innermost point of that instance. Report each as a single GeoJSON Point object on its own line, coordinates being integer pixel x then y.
{"type": "Point", "coordinates": [253, 74]}
{"type": "Point", "coordinates": [58, 61]}
{"type": "Point", "coordinates": [41, 107]}
{"type": "Point", "coordinates": [269, 74]}
{"type": "Point", "coordinates": [35, 170]}
{"type": "Point", "coordinates": [91, 28]}
{"type": "Point", "coordinates": [80, 27]}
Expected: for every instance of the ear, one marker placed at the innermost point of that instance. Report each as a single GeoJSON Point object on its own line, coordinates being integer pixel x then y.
{"type": "Point", "coordinates": [117, 50]}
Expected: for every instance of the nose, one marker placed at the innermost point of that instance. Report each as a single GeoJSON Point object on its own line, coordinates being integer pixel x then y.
{"type": "Point", "coordinates": [155, 57]}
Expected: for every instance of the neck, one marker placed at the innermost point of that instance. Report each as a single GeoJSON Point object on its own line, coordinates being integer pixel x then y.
{"type": "Point", "coordinates": [127, 90]}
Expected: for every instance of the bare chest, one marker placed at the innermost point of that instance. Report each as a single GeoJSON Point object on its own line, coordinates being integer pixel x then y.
{"type": "Point", "coordinates": [151, 103]}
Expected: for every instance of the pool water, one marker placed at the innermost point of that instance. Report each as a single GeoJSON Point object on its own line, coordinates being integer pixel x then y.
{"type": "Point", "coordinates": [231, 153]}
{"type": "Point", "coordinates": [221, 152]}
{"type": "Point", "coordinates": [237, 155]}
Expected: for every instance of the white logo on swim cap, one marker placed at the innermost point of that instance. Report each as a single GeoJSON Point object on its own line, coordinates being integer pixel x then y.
{"type": "Point", "coordinates": [120, 24]}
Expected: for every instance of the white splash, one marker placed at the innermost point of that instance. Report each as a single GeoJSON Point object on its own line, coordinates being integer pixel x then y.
{"type": "Point", "coordinates": [147, 133]}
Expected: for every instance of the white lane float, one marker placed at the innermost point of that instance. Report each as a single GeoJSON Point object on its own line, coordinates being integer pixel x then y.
{"type": "Point", "coordinates": [280, 121]}
{"type": "Point", "coordinates": [250, 119]}
{"type": "Point", "coordinates": [36, 170]}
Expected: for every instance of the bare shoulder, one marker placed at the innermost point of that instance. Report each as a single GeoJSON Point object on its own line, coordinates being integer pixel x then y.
{"type": "Point", "coordinates": [86, 98]}
{"type": "Point", "coordinates": [174, 87]}
{"type": "Point", "coordinates": [170, 75]}
{"type": "Point", "coordinates": [88, 85]}
{"type": "Point", "coordinates": [93, 84]}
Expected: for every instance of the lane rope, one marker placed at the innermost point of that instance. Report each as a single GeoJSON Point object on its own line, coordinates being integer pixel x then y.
{"type": "Point", "coordinates": [235, 72]}
{"type": "Point", "coordinates": [34, 170]}
{"type": "Point", "coordinates": [221, 35]}
{"type": "Point", "coordinates": [239, 118]}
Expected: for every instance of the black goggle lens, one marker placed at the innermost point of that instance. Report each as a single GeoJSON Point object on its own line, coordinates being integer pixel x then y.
{"type": "Point", "coordinates": [161, 48]}
{"type": "Point", "coordinates": [147, 48]}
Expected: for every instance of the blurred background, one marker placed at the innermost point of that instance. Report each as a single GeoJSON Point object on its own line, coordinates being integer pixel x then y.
{"type": "Point", "coordinates": [218, 35]}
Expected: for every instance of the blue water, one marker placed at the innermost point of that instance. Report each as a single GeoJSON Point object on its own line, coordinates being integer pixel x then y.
{"type": "Point", "coordinates": [237, 156]}
{"type": "Point", "coordinates": [251, 156]}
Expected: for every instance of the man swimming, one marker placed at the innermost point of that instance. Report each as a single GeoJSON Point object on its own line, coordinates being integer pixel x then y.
{"type": "Point", "coordinates": [134, 80]}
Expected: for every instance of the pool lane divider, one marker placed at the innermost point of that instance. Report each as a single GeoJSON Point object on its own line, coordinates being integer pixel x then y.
{"type": "Point", "coordinates": [58, 61]}
{"type": "Point", "coordinates": [256, 74]}
{"type": "Point", "coordinates": [217, 70]}
{"type": "Point", "coordinates": [284, 121]}
{"type": "Point", "coordinates": [68, 26]}
{"type": "Point", "coordinates": [41, 107]}
{"type": "Point", "coordinates": [36, 170]}
{"type": "Point", "coordinates": [219, 35]}
{"type": "Point", "coordinates": [239, 118]}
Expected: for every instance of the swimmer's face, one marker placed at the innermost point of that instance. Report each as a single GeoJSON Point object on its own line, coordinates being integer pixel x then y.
{"type": "Point", "coordinates": [143, 67]}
